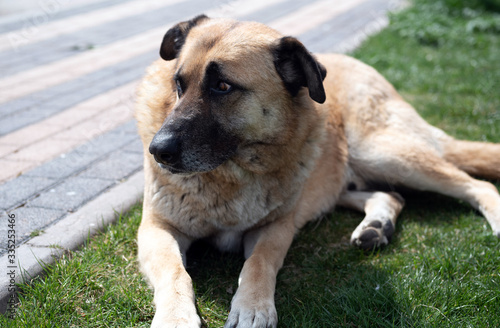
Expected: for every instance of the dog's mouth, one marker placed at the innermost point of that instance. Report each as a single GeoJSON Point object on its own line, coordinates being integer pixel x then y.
{"type": "Point", "coordinates": [167, 167]}
{"type": "Point", "coordinates": [174, 170]}
{"type": "Point", "coordinates": [192, 164]}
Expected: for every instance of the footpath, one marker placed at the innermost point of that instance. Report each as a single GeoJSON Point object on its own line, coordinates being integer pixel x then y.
{"type": "Point", "coordinates": [70, 157]}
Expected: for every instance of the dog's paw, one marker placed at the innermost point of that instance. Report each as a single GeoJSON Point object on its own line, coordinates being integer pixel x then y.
{"type": "Point", "coordinates": [178, 321]}
{"type": "Point", "coordinates": [375, 233]}
{"type": "Point", "coordinates": [495, 226]}
{"type": "Point", "coordinates": [261, 315]}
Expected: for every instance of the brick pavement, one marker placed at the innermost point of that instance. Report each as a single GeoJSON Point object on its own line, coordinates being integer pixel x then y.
{"type": "Point", "coordinates": [69, 152]}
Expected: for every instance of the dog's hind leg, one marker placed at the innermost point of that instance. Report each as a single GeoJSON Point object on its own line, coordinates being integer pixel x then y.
{"type": "Point", "coordinates": [403, 160]}
{"type": "Point", "coordinates": [381, 210]}
{"type": "Point", "coordinates": [447, 179]}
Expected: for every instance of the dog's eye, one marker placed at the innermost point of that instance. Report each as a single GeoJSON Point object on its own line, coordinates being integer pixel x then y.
{"type": "Point", "coordinates": [221, 88]}
{"type": "Point", "coordinates": [179, 87]}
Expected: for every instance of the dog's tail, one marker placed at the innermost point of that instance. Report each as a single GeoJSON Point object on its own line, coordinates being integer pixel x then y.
{"type": "Point", "coordinates": [480, 159]}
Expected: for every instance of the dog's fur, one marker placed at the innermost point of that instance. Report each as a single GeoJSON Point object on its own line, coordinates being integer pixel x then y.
{"type": "Point", "coordinates": [252, 140]}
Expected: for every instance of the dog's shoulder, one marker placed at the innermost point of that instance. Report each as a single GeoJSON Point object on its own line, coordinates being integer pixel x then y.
{"type": "Point", "coordinates": [356, 90]}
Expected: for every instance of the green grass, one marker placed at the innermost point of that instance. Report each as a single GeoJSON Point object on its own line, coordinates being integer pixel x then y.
{"type": "Point", "coordinates": [36, 232]}
{"type": "Point", "coordinates": [442, 268]}
{"type": "Point", "coordinates": [445, 61]}
{"type": "Point", "coordinates": [98, 286]}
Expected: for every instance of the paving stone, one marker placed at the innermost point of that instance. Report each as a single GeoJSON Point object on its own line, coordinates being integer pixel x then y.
{"type": "Point", "coordinates": [134, 146]}
{"type": "Point", "coordinates": [71, 194]}
{"type": "Point", "coordinates": [44, 150]}
{"type": "Point", "coordinates": [66, 164]}
{"type": "Point", "coordinates": [11, 169]}
{"type": "Point", "coordinates": [343, 27]}
{"type": "Point", "coordinates": [18, 120]}
{"type": "Point", "coordinates": [81, 157]}
{"type": "Point", "coordinates": [117, 166]}
{"type": "Point", "coordinates": [268, 14]}
{"type": "Point", "coordinates": [6, 149]}
{"type": "Point", "coordinates": [25, 137]}
{"type": "Point", "coordinates": [28, 219]}
{"type": "Point", "coordinates": [109, 142]}
{"type": "Point", "coordinates": [20, 103]}
{"type": "Point", "coordinates": [48, 51]}
{"type": "Point", "coordinates": [75, 228]}
{"type": "Point", "coordinates": [32, 109]}
{"type": "Point", "coordinates": [18, 191]}
{"type": "Point", "coordinates": [108, 119]}
{"type": "Point", "coordinates": [128, 128]}
{"type": "Point", "coordinates": [19, 24]}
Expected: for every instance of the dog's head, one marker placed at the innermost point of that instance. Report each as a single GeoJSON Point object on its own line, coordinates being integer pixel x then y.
{"type": "Point", "coordinates": [235, 84]}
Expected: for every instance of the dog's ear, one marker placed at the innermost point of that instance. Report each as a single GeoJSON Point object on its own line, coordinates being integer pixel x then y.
{"type": "Point", "coordinates": [175, 37]}
{"type": "Point", "coordinates": [298, 68]}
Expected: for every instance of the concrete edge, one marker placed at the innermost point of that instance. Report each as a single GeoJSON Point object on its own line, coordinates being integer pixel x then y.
{"type": "Point", "coordinates": [68, 234]}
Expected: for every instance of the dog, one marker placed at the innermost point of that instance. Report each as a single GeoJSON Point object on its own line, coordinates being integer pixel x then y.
{"type": "Point", "coordinates": [247, 138]}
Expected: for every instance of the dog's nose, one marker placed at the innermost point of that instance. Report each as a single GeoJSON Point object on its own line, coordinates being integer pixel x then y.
{"type": "Point", "coordinates": [165, 148]}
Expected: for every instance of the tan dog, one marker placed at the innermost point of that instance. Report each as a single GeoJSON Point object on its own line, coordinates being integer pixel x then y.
{"type": "Point", "coordinates": [250, 139]}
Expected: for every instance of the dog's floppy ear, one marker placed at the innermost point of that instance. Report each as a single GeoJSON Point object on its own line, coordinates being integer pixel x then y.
{"type": "Point", "coordinates": [175, 37]}
{"type": "Point", "coordinates": [298, 68]}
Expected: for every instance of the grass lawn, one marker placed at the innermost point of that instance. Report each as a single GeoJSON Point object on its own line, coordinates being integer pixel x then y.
{"type": "Point", "coordinates": [442, 268]}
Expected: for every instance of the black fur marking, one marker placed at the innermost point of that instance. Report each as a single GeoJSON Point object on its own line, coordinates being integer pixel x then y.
{"type": "Point", "coordinates": [175, 37]}
{"type": "Point", "coordinates": [375, 224]}
{"type": "Point", "coordinates": [265, 111]}
{"type": "Point", "coordinates": [213, 75]}
{"type": "Point", "coordinates": [389, 229]}
{"type": "Point", "coordinates": [183, 197]}
{"type": "Point", "coordinates": [298, 68]}
{"type": "Point", "coordinates": [352, 186]}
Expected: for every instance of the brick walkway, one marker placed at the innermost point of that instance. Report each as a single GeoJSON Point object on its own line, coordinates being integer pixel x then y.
{"type": "Point", "coordinates": [69, 152]}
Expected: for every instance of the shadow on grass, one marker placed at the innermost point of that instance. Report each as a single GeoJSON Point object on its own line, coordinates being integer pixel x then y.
{"type": "Point", "coordinates": [325, 282]}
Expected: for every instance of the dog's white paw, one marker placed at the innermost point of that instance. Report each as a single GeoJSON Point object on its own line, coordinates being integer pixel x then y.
{"type": "Point", "coordinates": [261, 314]}
{"type": "Point", "coordinates": [178, 320]}
{"type": "Point", "coordinates": [375, 233]}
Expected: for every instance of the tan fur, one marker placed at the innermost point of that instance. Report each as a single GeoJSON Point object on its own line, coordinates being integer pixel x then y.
{"type": "Point", "coordinates": [474, 157]}
{"type": "Point", "coordinates": [295, 160]}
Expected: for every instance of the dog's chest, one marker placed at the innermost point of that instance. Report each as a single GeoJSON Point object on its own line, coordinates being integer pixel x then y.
{"type": "Point", "coordinates": [200, 209]}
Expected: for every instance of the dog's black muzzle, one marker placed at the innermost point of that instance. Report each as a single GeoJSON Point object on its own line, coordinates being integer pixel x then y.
{"type": "Point", "coordinates": [189, 146]}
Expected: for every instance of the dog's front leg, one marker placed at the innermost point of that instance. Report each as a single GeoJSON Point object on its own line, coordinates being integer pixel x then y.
{"type": "Point", "coordinates": [161, 253]}
{"type": "Point", "coordinates": [265, 250]}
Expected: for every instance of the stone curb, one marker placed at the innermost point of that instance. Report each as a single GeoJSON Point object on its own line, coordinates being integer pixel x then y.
{"type": "Point", "coordinates": [68, 234]}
